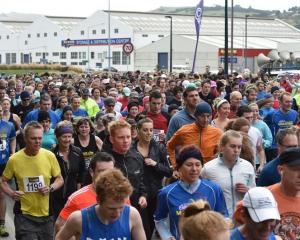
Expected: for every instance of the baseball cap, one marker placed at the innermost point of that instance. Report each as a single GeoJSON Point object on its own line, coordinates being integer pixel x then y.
{"type": "Point", "coordinates": [290, 157]}
{"type": "Point", "coordinates": [201, 108]}
{"type": "Point", "coordinates": [85, 92]}
{"type": "Point", "coordinates": [24, 95]}
{"type": "Point", "coordinates": [261, 204]}
{"type": "Point", "coordinates": [274, 89]}
{"type": "Point", "coordinates": [185, 83]}
{"type": "Point", "coordinates": [126, 91]}
{"type": "Point", "coordinates": [134, 94]}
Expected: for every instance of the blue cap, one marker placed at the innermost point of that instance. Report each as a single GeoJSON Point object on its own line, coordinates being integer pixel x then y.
{"type": "Point", "coordinates": [201, 108]}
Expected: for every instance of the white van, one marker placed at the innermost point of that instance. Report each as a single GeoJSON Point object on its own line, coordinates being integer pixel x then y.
{"type": "Point", "coordinates": [181, 69]}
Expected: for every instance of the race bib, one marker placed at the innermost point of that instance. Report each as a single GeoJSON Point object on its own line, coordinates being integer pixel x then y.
{"type": "Point", "coordinates": [32, 184]}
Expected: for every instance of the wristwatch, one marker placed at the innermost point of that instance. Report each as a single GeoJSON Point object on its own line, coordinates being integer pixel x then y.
{"type": "Point", "coordinates": [51, 188]}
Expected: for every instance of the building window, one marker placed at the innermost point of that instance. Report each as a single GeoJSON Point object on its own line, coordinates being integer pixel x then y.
{"type": "Point", "coordinates": [144, 35]}
{"type": "Point", "coordinates": [81, 32]}
{"type": "Point", "coordinates": [63, 63]}
{"type": "Point", "coordinates": [38, 35]}
{"type": "Point", "coordinates": [45, 34]}
{"type": "Point", "coordinates": [161, 35]}
{"type": "Point", "coordinates": [63, 55]}
{"type": "Point", "coordinates": [55, 34]}
{"type": "Point", "coordinates": [94, 32]}
{"type": "Point", "coordinates": [102, 31]}
{"type": "Point", "coordinates": [116, 30]}
{"type": "Point", "coordinates": [92, 55]}
{"type": "Point", "coordinates": [29, 35]}
{"type": "Point", "coordinates": [38, 54]}
{"type": "Point", "coordinates": [7, 58]}
{"type": "Point", "coordinates": [74, 55]}
{"type": "Point", "coordinates": [125, 59]}
{"type": "Point", "coordinates": [74, 63]}
{"type": "Point", "coordinates": [116, 58]}
{"type": "Point", "coordinates": [13, 58]}
{"type": "Point", "coordinates": [0, 37]}
{"type": "Point", "coordinates": [7, 37]}
{"type": "Point", "coordinates": [55, 54]}
{"type": "Point", "coordinates": [26, 42]}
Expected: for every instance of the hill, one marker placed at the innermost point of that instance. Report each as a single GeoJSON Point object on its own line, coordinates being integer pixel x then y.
{"type": "Point", "coordinates": [292, 16]}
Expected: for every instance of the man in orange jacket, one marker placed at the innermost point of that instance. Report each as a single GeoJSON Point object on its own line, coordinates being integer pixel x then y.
{"type": "Point", "coordinates": [199, 133]}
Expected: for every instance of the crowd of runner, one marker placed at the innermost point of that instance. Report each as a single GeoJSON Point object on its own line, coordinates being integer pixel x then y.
{"type": "Point", "coordinates": [133, 155]}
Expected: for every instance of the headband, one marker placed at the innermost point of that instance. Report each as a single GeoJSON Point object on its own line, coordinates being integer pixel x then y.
{"type": "Point", "coordinates": [63, 130]}
{"type": "Point", "coordinates": [221, 102]}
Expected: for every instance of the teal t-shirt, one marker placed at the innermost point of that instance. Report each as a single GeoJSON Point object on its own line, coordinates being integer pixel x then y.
{"type": "Point", "coordinates": [49, 139]}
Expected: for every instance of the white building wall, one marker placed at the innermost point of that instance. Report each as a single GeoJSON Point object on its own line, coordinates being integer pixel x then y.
{"type": "Point", "coordinates": [146, 58]}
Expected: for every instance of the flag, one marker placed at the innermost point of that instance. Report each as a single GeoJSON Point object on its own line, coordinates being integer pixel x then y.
{"type": "Point", "coordinates": [198, 18]}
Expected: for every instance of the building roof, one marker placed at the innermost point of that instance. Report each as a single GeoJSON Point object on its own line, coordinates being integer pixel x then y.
{"type": "Point", "coordinates": [146, 22]}
{"type": "Point", "coordinates": [211, 25]}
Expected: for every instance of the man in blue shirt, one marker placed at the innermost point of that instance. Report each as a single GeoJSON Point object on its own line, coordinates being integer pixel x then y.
{"type": "Point", "coordinates": [45, 105]}
{"type": "Point", "coordinates": [7, 147]}
{"type": "Point", "coordinates": [185, 116]}
{"type": "Point", "coordinates": [286, 138]}
{"type": "Point", "coordinates": [284, 117]}
{"type": "Point", "coordinates": [77, 111]}
{"type": "Point", "coordinates": [174, 198]}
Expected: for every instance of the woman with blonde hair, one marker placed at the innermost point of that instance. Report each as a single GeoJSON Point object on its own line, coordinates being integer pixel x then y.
{"type": "Point", "coordinates": [222, 108]}
{"type": "Point", "coordinates": [199, 222]}
{"type": "Point", "coordinates": [242, 125]}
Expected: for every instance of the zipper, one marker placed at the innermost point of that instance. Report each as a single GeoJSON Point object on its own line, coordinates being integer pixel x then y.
{"type": "Point", "coordinates": [200, 138]}
{"type": "Point", "coordinates": [232, 190]}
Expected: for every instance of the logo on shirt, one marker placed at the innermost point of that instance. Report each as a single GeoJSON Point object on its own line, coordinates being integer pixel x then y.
{"type": "Point", "coordinates": [288, 226]}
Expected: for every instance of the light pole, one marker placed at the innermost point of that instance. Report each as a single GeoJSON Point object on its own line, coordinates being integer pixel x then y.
{"type": "Point", "coordinates": [171, 42]}
{"type": "Point", "coordinates": [226, 39]}
{"type": "Point", "coordinates": [231, 47]}
{"type": "Point", "coordinates": [246, 39]}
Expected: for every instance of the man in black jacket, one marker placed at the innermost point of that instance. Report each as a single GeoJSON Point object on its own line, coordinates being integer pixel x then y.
{"type": "Point", "coordinates": [128, 160]}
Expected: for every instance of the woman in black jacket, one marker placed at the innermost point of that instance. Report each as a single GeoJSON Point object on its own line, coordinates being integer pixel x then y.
{"type": "Point", "coordinates": [72, 166]}
{"type": "Point", "coordinates": [156, 166]}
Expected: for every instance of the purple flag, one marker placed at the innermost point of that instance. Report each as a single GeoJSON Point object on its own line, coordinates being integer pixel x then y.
{"type": "Point", "coordinates": [198, 17]}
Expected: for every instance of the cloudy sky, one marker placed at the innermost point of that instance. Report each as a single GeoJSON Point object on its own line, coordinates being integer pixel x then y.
{"type": "Point", "coordinates": [88, 7]}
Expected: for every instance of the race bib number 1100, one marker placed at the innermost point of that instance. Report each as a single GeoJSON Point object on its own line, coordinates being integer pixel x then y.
{"type": "Point", "coordinates": [32, 184]}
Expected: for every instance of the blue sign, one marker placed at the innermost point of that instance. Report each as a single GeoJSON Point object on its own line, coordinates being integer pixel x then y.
{"type": "Point", "coordinates": [94, 42]}
{"type": "Point", "coordinates": [234, 59]}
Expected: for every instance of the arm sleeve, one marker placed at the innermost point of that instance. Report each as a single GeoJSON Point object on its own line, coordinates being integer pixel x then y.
{"type": "Point", "coordinates": [163, 229]}
{"type": "Point", "coordinates": [163, 165]}
{"type": "Point", "coordinates": [267, 136]}
{"type": "Point", "coordinates": [220, 203]}
{"type": "Point", "coordinates": [171, 128]}
{"type": "Point", "coordinates": [142, 187]}
{"type": "Point", "coordinates": [162, 209]}
{"type": "Point", "coordinates": [171, 146]}
{"type": "Point", "coordinates": [69, 207]}
{"type": "Point", "coordinates": [82, 170]}
{"type": "Point", "coordinates": [26, 120]}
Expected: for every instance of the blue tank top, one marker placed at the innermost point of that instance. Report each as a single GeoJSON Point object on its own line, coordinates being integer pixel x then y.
{"type": "Point", "coordinates": [236, 235]}
{"type": "Point", "coordinates": [94, 229]}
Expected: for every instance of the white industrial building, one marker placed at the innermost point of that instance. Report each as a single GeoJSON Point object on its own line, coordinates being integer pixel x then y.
{"type": "Point", "coordinates": [84, 42]}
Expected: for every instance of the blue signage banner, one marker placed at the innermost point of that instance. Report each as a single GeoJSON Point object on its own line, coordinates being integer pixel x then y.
{"type": "Point", "coordinates": [230, 60]}
{"type": "Point", "coordinates": [94, 42]}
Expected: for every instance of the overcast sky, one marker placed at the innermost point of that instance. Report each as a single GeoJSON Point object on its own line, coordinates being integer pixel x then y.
{"type": "Point", "coordinates": [88, 7]}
